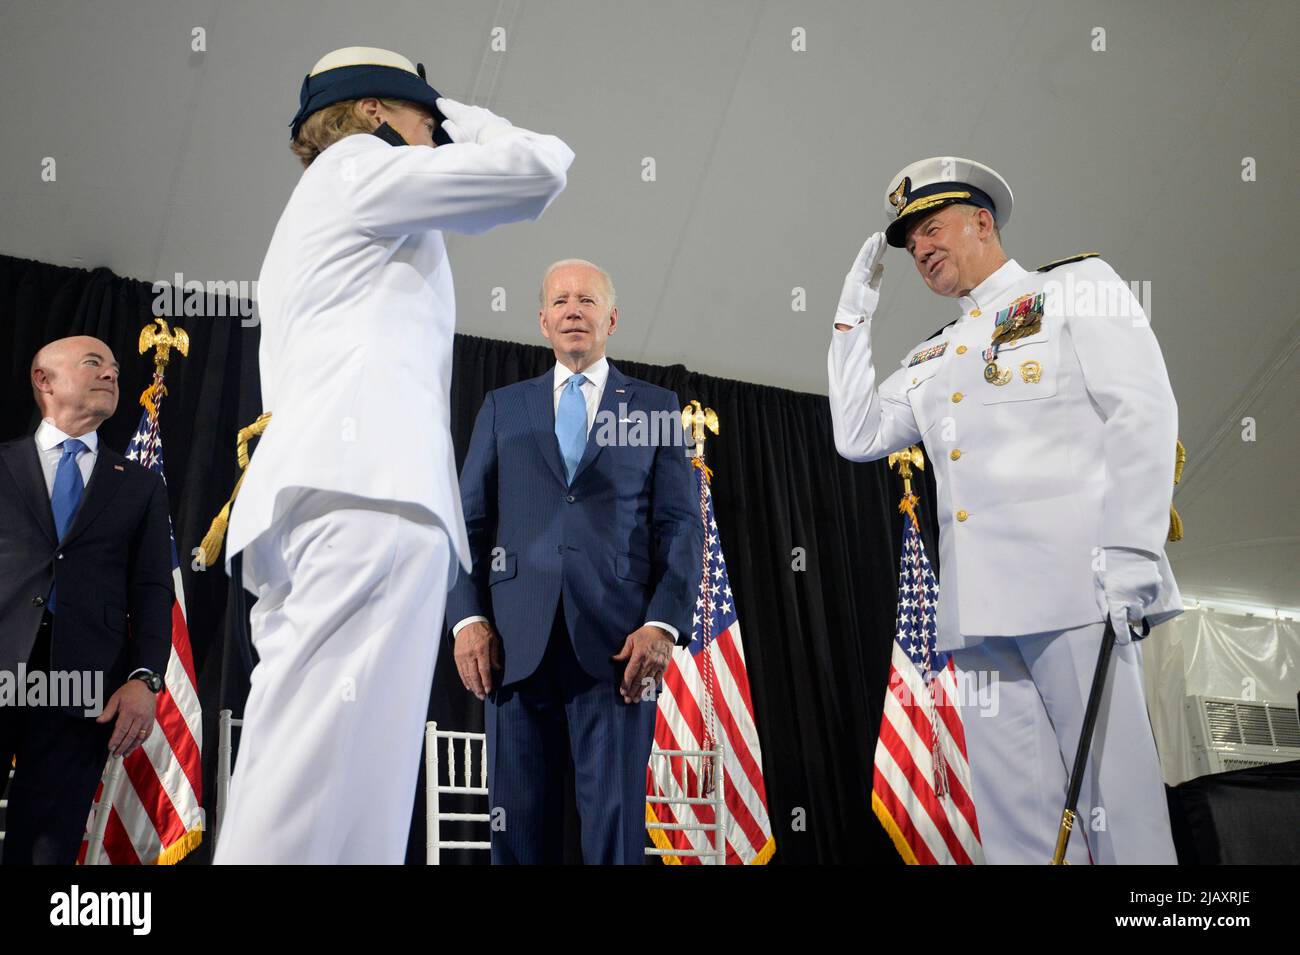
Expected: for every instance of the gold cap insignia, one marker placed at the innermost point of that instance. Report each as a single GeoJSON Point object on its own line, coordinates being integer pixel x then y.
{"type": "Point", "coordinates": [898, 198]}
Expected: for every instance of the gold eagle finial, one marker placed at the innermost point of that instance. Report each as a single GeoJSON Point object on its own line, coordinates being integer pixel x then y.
{"type": "Point", "coordinates": [163, 339]}
{"type": "Point", "coordinates": [907, 459]}
{"type": "Point", "coordinates": [695, 419]}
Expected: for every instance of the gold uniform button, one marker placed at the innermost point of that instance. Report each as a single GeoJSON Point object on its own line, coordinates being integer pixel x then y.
{"type": "Point", "coordinates": [961, 349]}
{"type": "Point", "coordinates": [955, 454]}
{"type": "Point", "coordinates": [913, 381]}
{"type": "Point", "coordinates": [962, 515]}
{"type": "Point", "coordinates": [975, 313]}
{"type": "Point", "coordinates": [956, 397]}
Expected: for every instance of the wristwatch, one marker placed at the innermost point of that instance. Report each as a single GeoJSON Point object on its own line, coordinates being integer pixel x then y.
{"type": "Point", "coordinates": [153, 681]}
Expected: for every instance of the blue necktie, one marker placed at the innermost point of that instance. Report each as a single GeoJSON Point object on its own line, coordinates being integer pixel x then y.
{"type": "Point", "coordinates": [571, 424]}
{"type": "Point", "coordinates": [67, 491]}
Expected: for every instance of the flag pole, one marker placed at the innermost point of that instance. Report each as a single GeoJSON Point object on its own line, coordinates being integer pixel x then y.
{"type": "Point", "coordinates": [695, 420]}
{"type": "Point", "coordinates": [905, 460]}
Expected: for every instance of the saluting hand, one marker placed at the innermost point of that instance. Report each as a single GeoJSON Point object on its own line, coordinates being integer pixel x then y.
{"type": "Point", "coordinates": [471, 124]}
{"type": "Point", "coordinates": [647, 652]}
{"type": "Point", "coordinates": [861, 292]}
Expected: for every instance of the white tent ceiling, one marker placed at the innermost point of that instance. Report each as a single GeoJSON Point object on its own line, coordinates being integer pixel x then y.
{"type": "Point", "coordinates": [770, 165]}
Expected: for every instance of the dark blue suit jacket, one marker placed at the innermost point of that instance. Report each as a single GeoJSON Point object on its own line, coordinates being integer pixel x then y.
{"type": "Point", "coordinates": [113, 567]}
{"type": "Point", "coordinates": [620, 546]}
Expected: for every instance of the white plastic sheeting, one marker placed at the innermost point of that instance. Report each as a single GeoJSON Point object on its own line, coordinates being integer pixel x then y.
{"type": "Point", "coordinates": [1209, 653]}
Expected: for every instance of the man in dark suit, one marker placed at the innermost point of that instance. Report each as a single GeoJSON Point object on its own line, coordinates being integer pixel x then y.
{"type": "Point", "coordinates": [586, 540]}
{"type": "Point", "coordinates": [85, 589]}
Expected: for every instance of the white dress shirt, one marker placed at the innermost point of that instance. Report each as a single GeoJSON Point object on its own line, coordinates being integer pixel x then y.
{"type": "Point", "coordinates": [49, 442]}
{"type": "Point", "coordinates": [593, 389]}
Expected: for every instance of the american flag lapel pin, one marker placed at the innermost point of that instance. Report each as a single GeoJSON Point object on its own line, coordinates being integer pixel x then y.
{"type": "Point", "coordinates": [118, 467]}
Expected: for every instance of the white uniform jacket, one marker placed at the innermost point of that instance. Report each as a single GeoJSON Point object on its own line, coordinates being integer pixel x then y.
{"type": "Point", "coordinates": [1034, 476]}
{"type": "Point", "coordinates": [358, 313]}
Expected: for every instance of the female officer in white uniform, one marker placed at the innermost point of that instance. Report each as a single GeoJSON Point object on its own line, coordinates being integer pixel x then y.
{"type": "Point", "coordinates": [349, 517]}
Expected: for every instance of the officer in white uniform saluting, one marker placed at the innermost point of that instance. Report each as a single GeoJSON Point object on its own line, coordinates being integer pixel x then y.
{"type": "Point", "coordinates": [1046, 412]}
{"type": "Point", "coordinates": [349, 515]}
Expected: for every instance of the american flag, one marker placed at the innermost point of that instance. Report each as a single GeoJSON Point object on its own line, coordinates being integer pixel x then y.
{"type": "Point", "coordinates": [706, 700]}
{"type": "Point", "coordinates": [921, 787]}
{"type": "Point", "coordinates": [157, 815]}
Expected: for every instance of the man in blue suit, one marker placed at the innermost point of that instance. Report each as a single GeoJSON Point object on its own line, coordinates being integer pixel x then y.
{"type": "Point", "coordinates": [586, 541]}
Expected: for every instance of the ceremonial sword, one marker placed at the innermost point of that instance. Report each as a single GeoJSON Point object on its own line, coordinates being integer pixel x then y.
{"type": "Point", "coordinates": [1085, 743]}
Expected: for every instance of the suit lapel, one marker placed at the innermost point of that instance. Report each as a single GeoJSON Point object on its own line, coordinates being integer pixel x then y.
{"type": "Point", "coordinates": [541, 412]}
{"type": "Point", "coordinates": [24, 464]}
{"type": "Point", "coordinates": [618, 391]}
{"type": "Point", "coordinates": [105, 480]}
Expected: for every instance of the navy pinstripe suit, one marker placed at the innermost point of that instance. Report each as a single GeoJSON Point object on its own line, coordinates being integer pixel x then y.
{"type": "Point", "coordinates": [585, 563]}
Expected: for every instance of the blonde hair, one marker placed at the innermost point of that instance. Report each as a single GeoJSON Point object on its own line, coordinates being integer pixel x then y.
{"type": "Point", "coordinates": [329, 124]}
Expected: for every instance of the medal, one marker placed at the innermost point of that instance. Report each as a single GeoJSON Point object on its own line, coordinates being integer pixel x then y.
{"type": "Point", "coordinates": [1021, 318]}
{"type": "Point", "coordinates": [995, 377]}
{"type": "Point", "coordinates": [992, 374]}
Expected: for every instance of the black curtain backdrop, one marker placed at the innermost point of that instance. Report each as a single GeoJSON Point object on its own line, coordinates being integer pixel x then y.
{"type": "Point", "coordinates": [1247, 817]}
{"type": "Point", "coordinates": [817, 632]}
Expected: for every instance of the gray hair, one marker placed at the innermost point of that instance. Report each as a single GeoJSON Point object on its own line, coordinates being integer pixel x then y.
{"type": "Point", "coordinates": [564, 263]}
{"type": "Point", "coordinates": [973, 210]}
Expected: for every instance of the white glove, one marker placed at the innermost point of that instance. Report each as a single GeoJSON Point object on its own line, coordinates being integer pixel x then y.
{"type": "Point", "coordinates": [861, 293]}
{"type": "Point", "coordinates": [1127, 586]}
{"type": "Point", "coordinates": [471, 124]}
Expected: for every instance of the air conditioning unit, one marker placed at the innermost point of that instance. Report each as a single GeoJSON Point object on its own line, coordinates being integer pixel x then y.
{"type": "Point", "coordinates": [1230, 734]}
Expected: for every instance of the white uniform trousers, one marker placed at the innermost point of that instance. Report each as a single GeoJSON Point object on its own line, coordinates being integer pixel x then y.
{"type": "Point", "coordinates": [346, 628]}
{"type": "Point", "coordinates": [1022, 730]}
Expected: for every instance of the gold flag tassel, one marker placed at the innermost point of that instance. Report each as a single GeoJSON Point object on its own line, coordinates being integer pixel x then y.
{"type": "Point", "coordinates": [1176, 522]}
{"type": "Point", "coordinates": [153, 394]}
{"type": "Point", "coordinates": [216, 535]}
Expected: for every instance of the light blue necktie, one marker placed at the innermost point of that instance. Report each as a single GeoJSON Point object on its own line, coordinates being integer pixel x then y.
{"type": "Point", "coordinates": [68, 487]}
{"type": "Point", "coordinates": [571, 424]}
